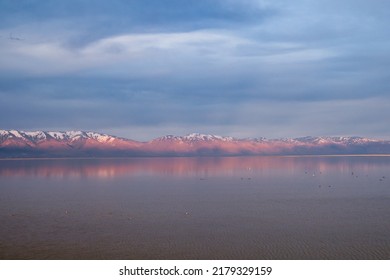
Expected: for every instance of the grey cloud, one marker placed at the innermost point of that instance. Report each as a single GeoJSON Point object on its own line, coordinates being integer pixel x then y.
{"type": "Point", "coordinates": [281, 69]}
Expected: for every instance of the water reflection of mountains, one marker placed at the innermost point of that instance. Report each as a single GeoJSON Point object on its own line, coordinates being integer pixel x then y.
{"type": "Point", "coordinates": [196, 166]}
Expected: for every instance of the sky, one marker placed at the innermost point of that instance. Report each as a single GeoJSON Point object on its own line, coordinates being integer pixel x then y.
{"type": "Point", "coordinates": [244, 68]}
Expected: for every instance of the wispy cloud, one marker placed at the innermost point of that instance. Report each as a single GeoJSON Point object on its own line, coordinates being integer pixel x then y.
{"type": "Point", "coordinates": [114, 52]}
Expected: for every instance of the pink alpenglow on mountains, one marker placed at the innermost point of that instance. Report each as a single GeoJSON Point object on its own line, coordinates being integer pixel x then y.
{"type": "Point", "coordinates": [14, 143]}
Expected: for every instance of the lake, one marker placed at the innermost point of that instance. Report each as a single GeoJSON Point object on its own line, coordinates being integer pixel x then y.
{"type": "Point", "coordinates": [330, 207]}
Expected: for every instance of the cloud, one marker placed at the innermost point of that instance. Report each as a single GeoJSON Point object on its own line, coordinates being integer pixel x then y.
{"type": "Point", "coordinates": [232, 67]}
{"type": "Point", "coordinates": [208, 63]}
{"type": "Point", "coordinates": [101, 18]}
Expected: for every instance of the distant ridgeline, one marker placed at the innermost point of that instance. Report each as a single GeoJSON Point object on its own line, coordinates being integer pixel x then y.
{"type": "Point", "coordinates": [21, 144]}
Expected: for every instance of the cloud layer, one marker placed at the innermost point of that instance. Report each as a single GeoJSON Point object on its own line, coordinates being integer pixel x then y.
{"type": "Point", "coordinates": [243, 68]}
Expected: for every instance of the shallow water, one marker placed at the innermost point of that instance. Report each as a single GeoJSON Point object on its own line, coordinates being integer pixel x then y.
{"type": "Point", "coordinates": [196, 208]}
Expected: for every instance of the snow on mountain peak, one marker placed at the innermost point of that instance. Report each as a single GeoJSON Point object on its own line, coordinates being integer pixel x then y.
{"type": "Point", "coordinates": [335, 140]}
{"type": "Point", "coordinates": [194, 137]}
{"type": "Point", "coordinates": [75, 134]}
{"type": "Point", "coordinates": [167, 137]}
{"type": "Point", "coordinates": [102, 138]}
{"type": "Point", "coordinates": [57, 135]}
{"type": "Point", "coordinates": [3, 132]}
{"type": "Point", "coordinates": [16, 133]}
{"type": "Point", "coordinates": [38, 135]}
{"type": "Point", "coordinates": [197, 136]}
{"type": "Point", "coordinates": [205, 137]}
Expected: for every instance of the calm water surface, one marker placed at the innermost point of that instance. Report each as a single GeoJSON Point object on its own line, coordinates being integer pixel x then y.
{"type": "Point", "coordinates": [196, 208]}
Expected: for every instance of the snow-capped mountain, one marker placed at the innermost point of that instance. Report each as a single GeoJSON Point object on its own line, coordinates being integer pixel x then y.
{"type": "Point", "coordinates": [60, 143]}
{"type": "Point", "coordinates": [194, 137]}
{"type": "Point", "coordinates": [335, 140]}
{"type": "Point", "coordinates": [38, 136]}
{"type": "Point", "coordinates": [15, 143]}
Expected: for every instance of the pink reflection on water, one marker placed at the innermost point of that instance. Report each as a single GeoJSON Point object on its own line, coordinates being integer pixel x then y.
{"type": "Point", "coordinates": [186, 166]}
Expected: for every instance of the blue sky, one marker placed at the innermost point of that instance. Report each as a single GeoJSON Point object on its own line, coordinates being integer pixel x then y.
{"type": "Point", "coordinates": [249, 68]}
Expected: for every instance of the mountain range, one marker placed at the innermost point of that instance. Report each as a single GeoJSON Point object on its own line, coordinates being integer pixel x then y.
{"type": "Point", "coordinates": [22, 144]}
